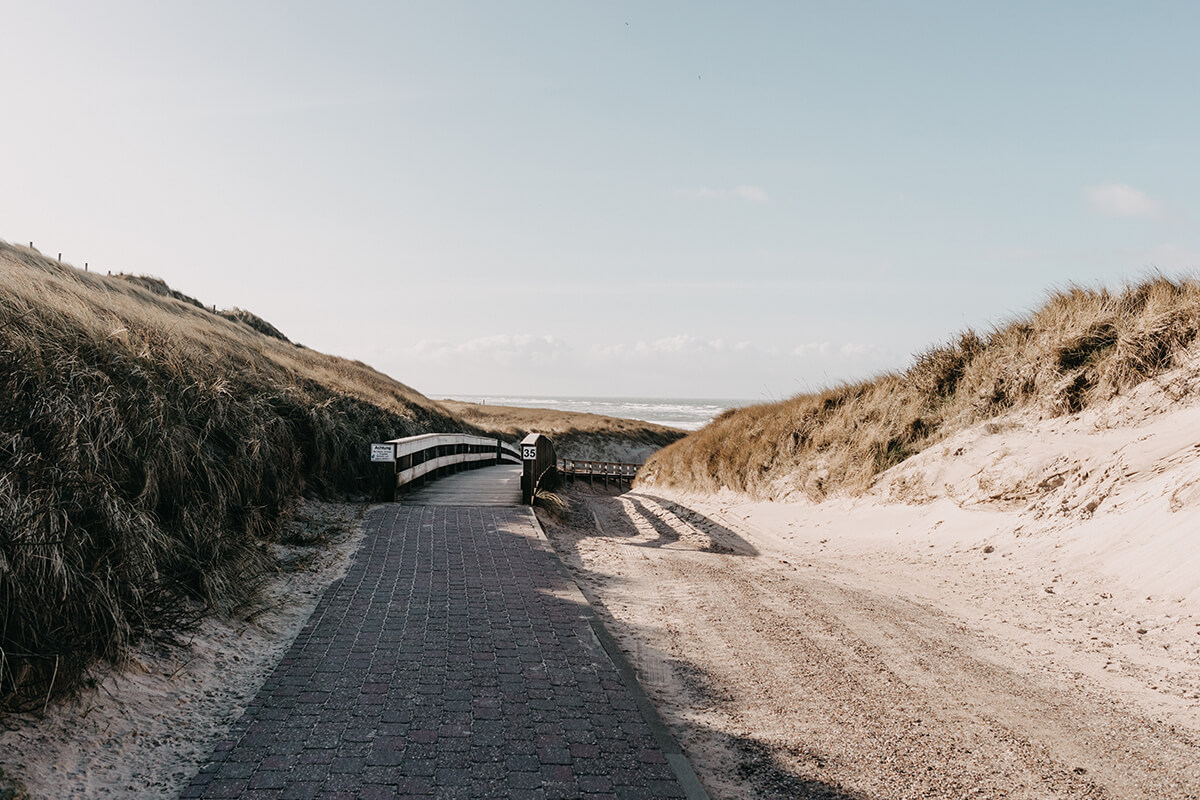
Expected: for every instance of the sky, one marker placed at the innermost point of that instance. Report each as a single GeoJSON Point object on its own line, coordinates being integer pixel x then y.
{"type": "Point", "coordinates": [727, 200]}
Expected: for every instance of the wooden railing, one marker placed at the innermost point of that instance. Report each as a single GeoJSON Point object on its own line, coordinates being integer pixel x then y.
{"type": "Point", "coordinates": [417, 459]}
{"type": "Point", "coordinates": [616, 471]}
{"type": "Point", "coordinates": [423, 458]}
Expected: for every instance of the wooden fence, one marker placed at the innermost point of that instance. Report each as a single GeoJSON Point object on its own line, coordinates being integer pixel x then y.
{"type": "Point", "coordinates": [572, 469]}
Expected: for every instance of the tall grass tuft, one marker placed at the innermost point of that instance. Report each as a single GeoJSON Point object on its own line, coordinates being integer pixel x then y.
{"type": "Point", "coordinates": [149, 450]}
{"type": "Point", "coordinates": [1081, 347]}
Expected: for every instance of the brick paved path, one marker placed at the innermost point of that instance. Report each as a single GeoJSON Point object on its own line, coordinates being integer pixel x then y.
{"type": "Point", "coordinates": [455, 660]}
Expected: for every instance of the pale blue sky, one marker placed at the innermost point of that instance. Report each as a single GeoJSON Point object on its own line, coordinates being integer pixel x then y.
{"type": "Point", "coordinates": [647, 199]}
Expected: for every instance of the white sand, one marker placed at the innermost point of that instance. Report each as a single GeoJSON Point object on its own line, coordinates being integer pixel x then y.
{"type": "Point", "coordinates": [145, 731]}
{"type": "Point", "coordinates": [1013, 613]}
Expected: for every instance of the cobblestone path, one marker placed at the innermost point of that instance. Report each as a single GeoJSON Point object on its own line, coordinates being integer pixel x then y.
{"type": "Point", "coordinates": [455, 660]}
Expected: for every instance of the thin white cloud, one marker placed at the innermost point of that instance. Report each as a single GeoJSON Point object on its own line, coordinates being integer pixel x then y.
{"type": "Point", "coordinates": [858, 349]}
{"type": "Point", "coordinates": [755, 194]}
{"type": "Point", "coordinates": [521, 364]}
{"type": "Point", "coordinates": [500, 349]}
{"type": "Point", "coordinates": [847, 350]}
{"type": "Point", "coordinates": [1121, 200]}
{"type": "Point", "coordinates": [683, 344]}
{"type": "Point", "coordinates": [810, 349]}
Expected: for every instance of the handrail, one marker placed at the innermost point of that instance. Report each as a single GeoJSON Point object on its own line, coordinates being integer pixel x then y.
{"type": "Point", "coordinates": [427, 455]}
{"type": "Point", "coordinates": [412, 444]}
{"type": "Point", "coordinates": [431, 455]}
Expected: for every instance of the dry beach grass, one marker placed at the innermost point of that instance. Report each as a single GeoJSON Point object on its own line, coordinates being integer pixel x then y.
{"type": "Point", "coordinates": [1082, 347]}
{"type": "Point", "coordinates": [149, 449]}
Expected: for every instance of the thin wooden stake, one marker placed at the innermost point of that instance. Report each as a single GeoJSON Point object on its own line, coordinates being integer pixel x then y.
{"type": "Point", "coordinates": [51, 689]}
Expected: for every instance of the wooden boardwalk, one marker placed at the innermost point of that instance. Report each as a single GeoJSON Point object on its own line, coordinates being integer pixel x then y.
{"type": "Point", "coordinates": [489, 486]}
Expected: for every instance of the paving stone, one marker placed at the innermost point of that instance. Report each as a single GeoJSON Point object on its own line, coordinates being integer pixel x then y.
{"type": "Point", "coordinates": [447, 663]}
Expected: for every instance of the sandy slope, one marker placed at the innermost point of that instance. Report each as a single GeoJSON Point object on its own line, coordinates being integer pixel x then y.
{"type": "Point", "coordinates": [1015, 613]}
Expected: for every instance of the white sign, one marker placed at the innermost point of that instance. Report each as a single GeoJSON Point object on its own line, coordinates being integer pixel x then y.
{"type": "Point", "coordinates": [383, 452]}
{"type": "Point", "coordinates": [529, 452]}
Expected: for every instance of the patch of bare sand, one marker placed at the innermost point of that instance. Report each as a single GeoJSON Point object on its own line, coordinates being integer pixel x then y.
{"type": "Point", "coordinates": [143, 732]}
{"type": "Point", "coordinates": [1014, 614]}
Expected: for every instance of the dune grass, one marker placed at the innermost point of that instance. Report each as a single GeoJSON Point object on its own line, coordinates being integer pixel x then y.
{"type": "Point", "coordinates": [1081, 347]}
{"type": "Point", "coordinates": [149, 449]}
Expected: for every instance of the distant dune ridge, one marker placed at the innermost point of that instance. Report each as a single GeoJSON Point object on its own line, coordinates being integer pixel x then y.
{"type": "Point", "coordinates": [150, 448]}
{"type": "Point", "coordinates": [575, 435]}
{"type": "Point", "coordinates": [1082, 347]}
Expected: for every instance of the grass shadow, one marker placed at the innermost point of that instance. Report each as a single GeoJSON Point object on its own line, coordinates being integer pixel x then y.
{"type": "Point", "coordinates": [721, 539]}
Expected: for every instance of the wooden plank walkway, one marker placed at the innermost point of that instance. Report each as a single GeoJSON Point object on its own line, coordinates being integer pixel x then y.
{"type": "Point", "coordinates": [487, 486]}
{"type": "Point", "coordinates": [456, 659]}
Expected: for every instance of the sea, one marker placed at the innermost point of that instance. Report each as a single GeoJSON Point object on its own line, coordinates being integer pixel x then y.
{"type": "Point", "coordinates": [688, 414]}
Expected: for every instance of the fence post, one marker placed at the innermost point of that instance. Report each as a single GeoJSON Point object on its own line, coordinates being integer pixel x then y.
{"type": "Point", "coordinates": [539, 466]}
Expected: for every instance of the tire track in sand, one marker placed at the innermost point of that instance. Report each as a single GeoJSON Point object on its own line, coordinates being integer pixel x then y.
{"type": "Point", "coordinates": [785, 681]}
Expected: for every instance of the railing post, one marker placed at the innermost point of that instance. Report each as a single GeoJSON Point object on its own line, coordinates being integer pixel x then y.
{"type": "Point", "coordinates": [539, 466]}
{"type": "Point", "coordinates": [385, 453]}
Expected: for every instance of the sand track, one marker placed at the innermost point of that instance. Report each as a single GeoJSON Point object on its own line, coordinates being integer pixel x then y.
{"type": "Point", "coordinates": [801, 671]}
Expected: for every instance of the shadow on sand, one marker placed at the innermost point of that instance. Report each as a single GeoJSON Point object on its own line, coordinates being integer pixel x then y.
{"type": "Point", "coordinates": [760, 768]}
{"type": "Point", "coordinates": [669, 518]}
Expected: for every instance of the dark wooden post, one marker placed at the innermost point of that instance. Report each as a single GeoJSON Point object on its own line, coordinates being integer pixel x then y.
{"type": "Point", "coordinates": [385, 454]}
{"type": "Point", "coordinates": [540, 466]}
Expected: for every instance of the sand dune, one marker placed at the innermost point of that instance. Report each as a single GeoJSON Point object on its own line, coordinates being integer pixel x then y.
{"type": "Point", "coordinates": [1014, 612]}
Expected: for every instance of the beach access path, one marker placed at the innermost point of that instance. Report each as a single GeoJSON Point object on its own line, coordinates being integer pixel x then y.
{"type": "Point", "coordinates": [456, 659]}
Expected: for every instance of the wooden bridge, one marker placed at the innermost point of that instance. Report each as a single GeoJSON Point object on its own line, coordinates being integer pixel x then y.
{"type": "Point", "coordinates": [458, 469]}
